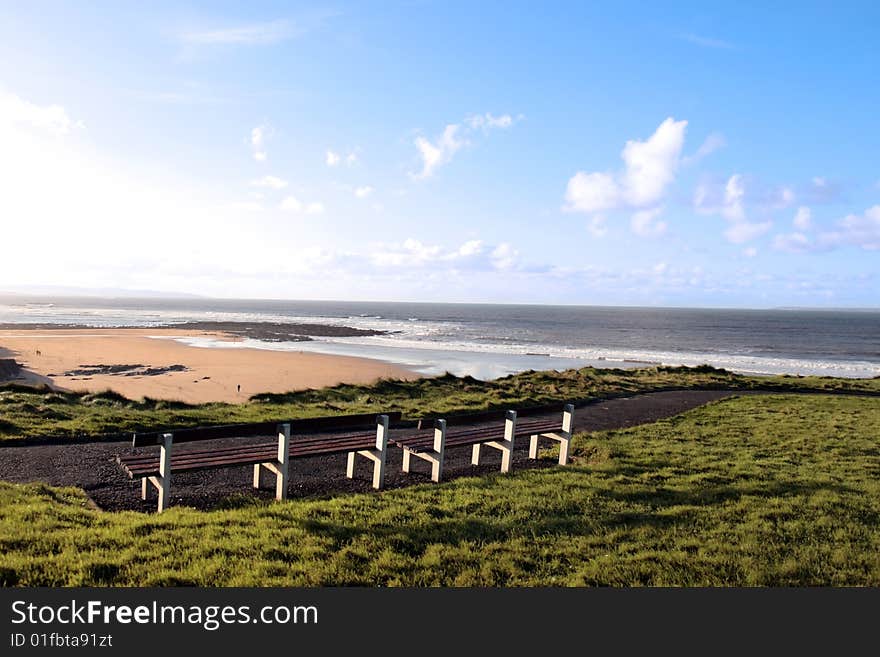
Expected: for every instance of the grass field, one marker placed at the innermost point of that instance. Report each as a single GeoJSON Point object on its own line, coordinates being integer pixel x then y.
{"type": "Point", "coordinates": [757, 490]}
{"type": "Point", "coordinates": [26, 412]}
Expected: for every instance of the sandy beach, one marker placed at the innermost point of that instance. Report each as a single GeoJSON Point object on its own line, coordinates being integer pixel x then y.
{"type": "Point", "coordinates": [149, 363]}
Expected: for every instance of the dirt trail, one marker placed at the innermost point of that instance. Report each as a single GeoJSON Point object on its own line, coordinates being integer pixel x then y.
{"type": "Point", "coordinates": [92, 466]}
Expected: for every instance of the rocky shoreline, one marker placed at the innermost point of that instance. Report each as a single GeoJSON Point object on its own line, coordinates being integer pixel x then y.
{"type": "Point", "coordinates": [265, 331]}
{"type": "Point", "coordinates": [276, 331]}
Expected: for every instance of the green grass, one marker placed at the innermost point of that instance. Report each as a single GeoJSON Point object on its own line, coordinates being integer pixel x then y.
{"type": "Point", "coordinates": [28, 412]}
{"type": "Point", "coordinates": [757, 490]}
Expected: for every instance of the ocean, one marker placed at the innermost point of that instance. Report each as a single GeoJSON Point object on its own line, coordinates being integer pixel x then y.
{"type": "Point", "coordinates": [490, 341]}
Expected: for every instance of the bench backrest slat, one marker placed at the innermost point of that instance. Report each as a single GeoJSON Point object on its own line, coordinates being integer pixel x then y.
{"type": "Point", "coordinates": [245, 430]}
{"type": "Point", "coordinates": [499, 414]}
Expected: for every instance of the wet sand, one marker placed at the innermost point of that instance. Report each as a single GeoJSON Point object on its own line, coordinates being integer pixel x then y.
{"type": "Point", "coordinates": [162, 368]}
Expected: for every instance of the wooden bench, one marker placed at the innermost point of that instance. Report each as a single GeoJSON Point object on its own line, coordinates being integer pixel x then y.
{"type": "Point", "coordinates": [431, 446]}
{"type": "Point", "coordinates": [273, 457]}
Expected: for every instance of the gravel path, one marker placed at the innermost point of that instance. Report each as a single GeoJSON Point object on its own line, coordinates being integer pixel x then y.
{"type": "Point", "coordinates": [92, 466]}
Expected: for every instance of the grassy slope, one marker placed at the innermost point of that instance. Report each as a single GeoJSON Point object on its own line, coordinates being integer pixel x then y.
{"type": "Point", "coordinates": [24, 412]}
{"type": "Point", "coordinates": [769, 490]}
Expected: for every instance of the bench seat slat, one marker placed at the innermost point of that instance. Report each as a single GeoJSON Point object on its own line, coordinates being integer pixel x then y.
{"type": "Point", "coordinates": [141, 466]}
{"type": "Point", "coordinates": [425, 441]}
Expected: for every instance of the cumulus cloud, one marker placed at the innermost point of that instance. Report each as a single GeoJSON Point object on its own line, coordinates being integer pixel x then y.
{"type": "Point", "coordinates": [334, 158]}
{"type": "Point", "coordinates": [649, 168]}
{"type": "Point", "coordinates": [645, 223]}
{"type": "Point", "coordinates": [745, 231]}
{"type": "Point", "coordinates": [857, 230]}
{"type": "Point", "coordinates": [803, 218]}
{"type": "Point", "coordinates": [295, 206]}
{"type": "Point", "coordinates": [487, 121]}
{"type": "Point", "coordinates": [48, 119]}
{"type": "Point", "coordinates": [455, 136]}
{"type": "Point", "coordinates": [258, 143]}
{"type": "Point", "coordinates": [269, 182]}
{"type": "Point", "coordinates": [795, 242]}
{"type": "Point", "coordinates": [363, 191]}
{"type": "Point", "coordinates": [470, 255]}
{"type": "Point", "coordinates": [504, 256]}
{"type": "Point", "coordinates": [729, 201]}
{"type": "Point", "coordinates": [440, 152]}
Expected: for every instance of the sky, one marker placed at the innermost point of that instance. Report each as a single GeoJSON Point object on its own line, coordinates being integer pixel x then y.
{"type": "Point", "coordinates": [670, 154]}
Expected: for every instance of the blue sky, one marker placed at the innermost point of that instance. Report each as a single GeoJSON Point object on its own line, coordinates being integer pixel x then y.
{"type": "Point", "coordinates": [622, 154]}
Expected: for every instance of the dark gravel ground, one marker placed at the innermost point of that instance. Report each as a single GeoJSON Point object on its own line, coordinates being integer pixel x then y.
{"type": "Point", "coordinates": [93, 467]}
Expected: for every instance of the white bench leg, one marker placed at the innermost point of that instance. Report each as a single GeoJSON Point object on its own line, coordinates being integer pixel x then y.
{"type": "Point", "coordinates": [144, 483]}
{"type": "Point", "coordinates": [563, 450]}
{"type": "Point", "coordinates": [439, 450]}
{"type": "Point", "coordinates": [475, 454]}
{"type": "Point", "coordinates": [164, 479]}
{"type": "Point", "coordinates": [376, 455]}
{"type": "Point", "coordinates": [533, 447]}
{"type": "Point", "coordinates": [406, 460]}
{"type": "Point", "coordinates": [257, 468]}
{"type": "Point", "coordinates": [381, 451]}
{"type": "Point", "coordinates": [281, 479]}
{"type": "Point", "coordinates": [509, 436]}
{"type": "Point", "coordinates": [567, 428]}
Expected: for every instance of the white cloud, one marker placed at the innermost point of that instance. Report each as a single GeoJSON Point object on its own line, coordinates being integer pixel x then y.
{"type": "Point", "coordinates": [734, 191]}
{"type": "Point", "coordinates": [792, 242]}
{"type": "Point", "coordinates": [729, 202]}
{"type": "Point", "coordinates": [597, 226]}
{"type": "Point", "coordinates": [269, 182]}
{"type": "Point", "coordinates": [363, 192]}
{"type": "Point", "coordinates": [50, 119]}
{"type": "Point", "coordinates": [296, 206]}
{"type": "Point", "coordinates": [740, 232]}
{"type": "Point", "coordinates": [292, 204]}
{"type": "Point", "coordinates": [453, 138]}
{"type": "Point", "coordinates": [472, 255]}
{"type": "Point", "coordinates": [649, 168]}
{"type": "Point", "coordinates": [334, 158]}
{"type": "Point", "coordinates": [803, 218]}
{"type": "Point", "coordinates": [857, 230]}
{"type": "Point", "coordinates": [714, 142]}
{"type": "Point", "coordinates": [471, 248]}
{"type": "Point", "coordinates": [254, 34]}
{"type": "Point", "coordinates": [644, 223]}
{"type": "Point", "coordinates": [651, 164]}
{"type": "Point", "coordinates": [504, 256]}
{"type": "Point", "coordinates": [487, 121]}
{"type": "Point", "coordinates": [750, 252]}
{"type": "Point", "coordinates": [440, 152]}
{"type": "Point", "coordinates": [591, 192]}
{"type": "Point", "coordinates": [862, 231]}
{"type": "Point", "coordinates": [258, 143]}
